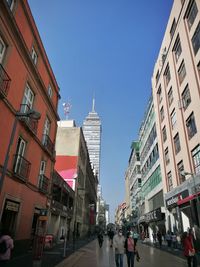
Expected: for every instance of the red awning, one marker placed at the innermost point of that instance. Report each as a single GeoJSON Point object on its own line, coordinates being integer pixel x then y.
{"type": "Point", "coordinates": [187, 199]}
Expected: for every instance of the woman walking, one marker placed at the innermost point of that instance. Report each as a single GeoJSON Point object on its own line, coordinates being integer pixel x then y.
{"type": "Point", "coordinates": [130, 249]}
{"type": "Point", "coordinates": [189, 250]}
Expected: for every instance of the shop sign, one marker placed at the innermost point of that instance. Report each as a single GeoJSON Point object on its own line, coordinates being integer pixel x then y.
{"type": "Point", "coordinates": [43, 212]}
{"type": "Point", "coordinates": [43, 218]}
{"type": "Point", "coordinates": [172, 201]}
{"type": "Point", "coordinates": [13, 206]}
{"type": "Point", "coordinates": [154, 215]}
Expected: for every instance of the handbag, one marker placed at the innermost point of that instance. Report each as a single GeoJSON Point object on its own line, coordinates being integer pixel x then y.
{"type": "Point", "coordinates": [191, 253]}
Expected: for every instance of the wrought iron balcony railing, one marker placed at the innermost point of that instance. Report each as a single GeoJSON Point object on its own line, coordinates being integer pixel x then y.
{"type": "Point", "coordinates": [4, 82]}
{"type": "Point", "coordinates": [43, 183]}
{"type": "Point", "coordinates": [29, 122]}
{"type": "Point", "coordinates": [48, 144]}
{"type": "Point", "coordinates": [21, 167]}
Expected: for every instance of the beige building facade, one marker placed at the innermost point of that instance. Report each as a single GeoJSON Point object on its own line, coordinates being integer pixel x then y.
{"type": "Point", "coordinates": [71, 145]}
{"type": "Point", "coordinates": [176, 95]}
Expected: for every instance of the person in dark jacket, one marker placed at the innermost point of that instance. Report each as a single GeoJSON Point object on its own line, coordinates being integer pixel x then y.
{"type": "Point", "coordinates": [100, 239]}
{"type": "Point", "coordinates": [111, 235]}
{"type": "Point", "coordinates": [159, 237]}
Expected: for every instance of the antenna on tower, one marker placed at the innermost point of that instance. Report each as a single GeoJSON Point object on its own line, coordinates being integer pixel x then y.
{"type": "Point", "coordinates": [93, 103]}
{"type": "Point", "coordinates": [67, 107]}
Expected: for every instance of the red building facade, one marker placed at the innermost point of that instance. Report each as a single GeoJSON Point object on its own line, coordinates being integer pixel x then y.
{"type": "Point", "coordinates": [26, 82]}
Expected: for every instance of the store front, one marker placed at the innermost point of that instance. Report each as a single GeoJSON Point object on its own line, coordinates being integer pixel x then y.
{"type": "Point", "coordinates": [152, 222]}
{"type": "Point", "coordinates": [156, 222]}
{"type": "Point", "coordinates": [10, 215]}
{"type": "Point", "coordinates": [183, 205]}
{"type": "Point", "coordinates": [175, 221]}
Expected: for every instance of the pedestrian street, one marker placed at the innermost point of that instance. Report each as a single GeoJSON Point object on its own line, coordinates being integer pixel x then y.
{"type": "Point", "coordinates": [93, 256]}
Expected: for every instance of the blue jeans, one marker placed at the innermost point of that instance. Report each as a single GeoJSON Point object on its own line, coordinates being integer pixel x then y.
{"type": "Point", "coordinates": [119, 260]}
{"type": "Point", "coordinates": [130, 258]}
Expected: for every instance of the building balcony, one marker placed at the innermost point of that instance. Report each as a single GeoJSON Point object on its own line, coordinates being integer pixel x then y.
{"type": "Point", "coordinates": [30, 123]}
{"type": "Point", "coordinates": [48, 144]}
{"type": "Point", "coordinates": [21, 167]}
{"type": "Point", "coordinates": [4, 82]}
{"type": "Point", "coordinates": [43, 185]}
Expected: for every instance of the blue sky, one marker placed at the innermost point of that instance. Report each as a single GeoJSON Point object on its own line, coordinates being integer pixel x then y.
{"type": "Point", "coordinates": [107, 48]}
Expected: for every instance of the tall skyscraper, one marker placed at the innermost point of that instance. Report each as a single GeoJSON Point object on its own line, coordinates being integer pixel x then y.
{"type": "Point", "coordinates": [92, 134]}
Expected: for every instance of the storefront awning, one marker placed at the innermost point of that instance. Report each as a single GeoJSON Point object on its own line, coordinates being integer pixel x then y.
{"type": "Point", "coordinates": [187, 199]}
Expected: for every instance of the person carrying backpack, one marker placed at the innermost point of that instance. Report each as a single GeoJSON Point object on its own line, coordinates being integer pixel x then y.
{"type": "Point", "coordinates": [6, 245]}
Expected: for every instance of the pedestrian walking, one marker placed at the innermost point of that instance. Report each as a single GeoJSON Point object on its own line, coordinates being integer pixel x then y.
{"type": "Point", "coordinates": [118, 244]}
{"type": "Point", "coordinates": [189, 251]}
{"type": "Point", "coordinates": [130, 249]}
{"type": "Point", "coordinates": [100, 239]}
{"type": "Point", "coordinates": [174, 241]}
{"type": "Point", "coordinates": [111, 235]}
{"type": "Point", "coordinates": [159, 237]}
{"type": "Point", "coordinates": [143, 236]}
{"type": "Point", "coordinates": [154, 238]}
{"type": "Point", "coordinates": [168, 238]}
{"type": "Point", "coordinates": [6, 245]}
{"type": "Point", "coordinates": [135, 237]}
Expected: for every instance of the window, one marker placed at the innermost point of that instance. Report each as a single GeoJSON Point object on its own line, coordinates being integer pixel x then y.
{"type": "Point", "coordinates": [173, 28]}
{"type": "Point", "coordinates": [181, 72]}
{"type": "Point", "coordinates": [50, 92]}
{"type": "Point", "coordinates": [173, 118]}
{"type": "Point", "coordinates": [177, 48]}
{"type": "Point", "coordinates": [196, 39]}
{"type": "Point", "coordinates": [186, 97]}
{"type": "Point", "coordinates": [10, 4]}
{"type": "Point", "coordinates": [167, 160]}
{"type": "Point", "coordinates": [177, 143]}
{"type": "Point", "coordinates": [191, 126]}
{"type": "Point", "coordinates": [2, 49]}
{"type": "Point", "coordinates": [159, 94]}
{"type": "Point", "coordinates": [170, 96]}
{"type": "Point", "coordinates": [170, 182]}
{"type": "Point", "coordinates": [180, 168]}
{"type": "Point", "coordinates": [196, 159]}
{"type": "Point", "coordinates": [198, 68]}
{"type": "Point", "coordinates": [27, 102]}
{"type": "Point", "coordinates": [157, 76]}
{"type": "Point", "coordinates": [46, 131]}
{"type": "Point", "coordinates": [164, 134]}
{"type": "Point", "coordinates": [191, 13]}
{"type": "Point", "coordinates": [21, 145]}
{"type": "Point", "coordinates": [34, 56]}
{"type": "Point", "coordinates": [162, 114]}
{"type": "Point", "coordinates": [167, 75]}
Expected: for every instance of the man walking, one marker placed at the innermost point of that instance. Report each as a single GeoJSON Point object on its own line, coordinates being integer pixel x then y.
{"type": "Point", "coordinates": [118, 243]}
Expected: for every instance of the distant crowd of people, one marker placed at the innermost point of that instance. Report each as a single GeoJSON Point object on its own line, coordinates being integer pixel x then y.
{"type": "Point", "coordinates": [126, 243]}
{"type": "Point", "coordinates": [122, 245]}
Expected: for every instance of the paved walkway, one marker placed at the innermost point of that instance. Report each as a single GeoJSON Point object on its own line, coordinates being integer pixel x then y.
{"type": "Point", "coordinates": [93, 256]}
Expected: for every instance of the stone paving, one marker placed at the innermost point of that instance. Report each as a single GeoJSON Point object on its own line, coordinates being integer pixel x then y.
{"type": "Point", "coordinates": [93, 256]}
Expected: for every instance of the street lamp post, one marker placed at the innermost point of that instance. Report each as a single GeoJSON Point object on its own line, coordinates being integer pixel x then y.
{"type": "Point", "coordinates": [29, 114]}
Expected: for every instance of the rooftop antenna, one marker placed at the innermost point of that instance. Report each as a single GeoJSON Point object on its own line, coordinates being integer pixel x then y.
{"type": "Point", "coordinates": [67, 107]}
{"type": "Point", "coordinates": [93, 103]}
